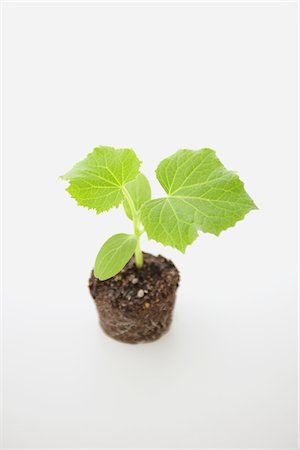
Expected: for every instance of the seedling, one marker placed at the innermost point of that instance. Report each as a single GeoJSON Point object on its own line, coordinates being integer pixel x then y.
{"type": "Point", "coordinates": [201, 194]}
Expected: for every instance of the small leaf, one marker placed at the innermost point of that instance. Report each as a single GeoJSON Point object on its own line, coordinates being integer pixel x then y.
{"type": "Point", "coordinates": [202, 194]}
{"type": "Point", "coordinates": [96, 182]}
{"type": "Point", "coordinates": [114, 255]}
{"type": "Point", "coordinates": [140, 192]}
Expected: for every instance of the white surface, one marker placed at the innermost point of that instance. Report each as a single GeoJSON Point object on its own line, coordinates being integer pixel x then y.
{"type": "Point", "coordinates": [154, 77]}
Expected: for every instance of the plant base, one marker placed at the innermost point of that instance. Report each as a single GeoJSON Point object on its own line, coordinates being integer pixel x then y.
{"type": "Point", "coordinates": [136, 305]}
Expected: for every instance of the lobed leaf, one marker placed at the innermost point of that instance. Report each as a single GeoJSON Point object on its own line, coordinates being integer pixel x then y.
{"type": "Point", "coordinates": [114, 255]}
{"type": "Point", "coordinates": [202, 194]}
{"type": "Point", "coordinates": [96, 182]}
{"type": "Point", "coordinates": [164, 223]}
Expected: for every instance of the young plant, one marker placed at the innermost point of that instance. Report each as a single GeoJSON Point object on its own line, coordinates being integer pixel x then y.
{"type": "Point", "coordinates": [200, 195]}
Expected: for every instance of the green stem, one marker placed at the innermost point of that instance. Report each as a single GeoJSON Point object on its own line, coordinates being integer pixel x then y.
{"type": "Point", "coordinates": [137, 230]}
{"type": "Point", "coordinates": [138, 254]}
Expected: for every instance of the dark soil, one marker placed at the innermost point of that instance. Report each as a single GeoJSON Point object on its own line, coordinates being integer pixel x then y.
{"type": "Point", "coordinates": [136, 305]}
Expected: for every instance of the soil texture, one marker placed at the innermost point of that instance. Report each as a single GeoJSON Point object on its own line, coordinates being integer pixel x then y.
{"type": "Point", "coordinates": [136, 305]}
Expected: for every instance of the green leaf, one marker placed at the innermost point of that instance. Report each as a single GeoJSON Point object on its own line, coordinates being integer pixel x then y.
{"type": "Point", "coordinates": [114, 255]}
{"type": "Point", "coordinates": [96, 182]}
{"type": "Point", "coordinates": [140, 192]}
{"type": "Point", "coordinates": [163, 223]}
{"type": "Point", "coordinates": [202, 194]}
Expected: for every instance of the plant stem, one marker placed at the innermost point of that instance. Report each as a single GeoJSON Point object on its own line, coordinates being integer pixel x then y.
{"type": "Point", "coordinates": [138, 254]}
{"type": "Point", "coordinates": [136, 227]}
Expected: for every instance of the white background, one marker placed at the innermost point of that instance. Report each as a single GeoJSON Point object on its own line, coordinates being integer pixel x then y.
{"type": "Point", "coordinates": [154, 77]}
